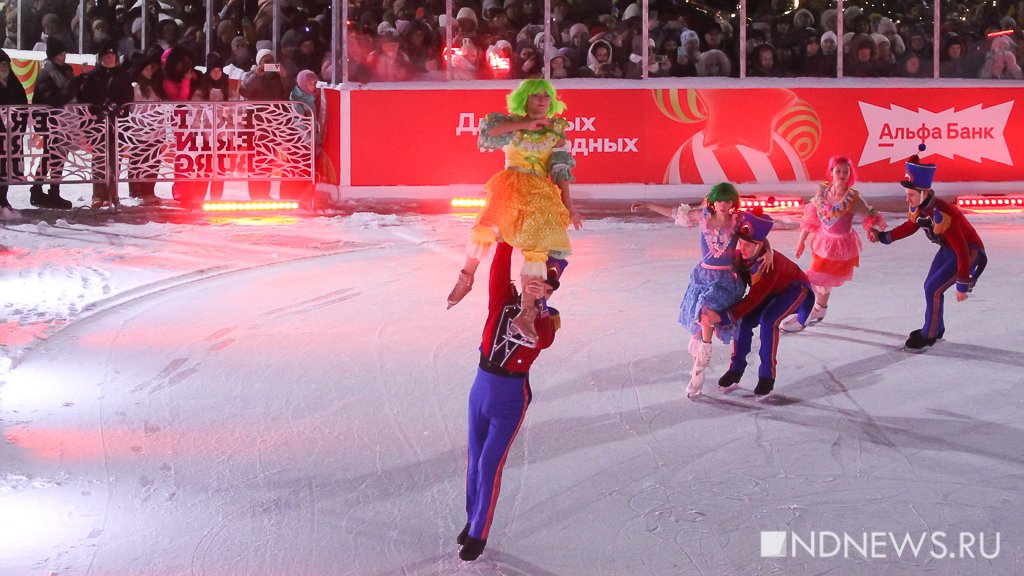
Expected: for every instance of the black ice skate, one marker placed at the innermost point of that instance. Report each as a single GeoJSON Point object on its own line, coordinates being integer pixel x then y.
{"type": "Point", "coordinates": [461, 538]}
{"type": "Point", "coordinates": [918, 341]}
{"type": "Point", "coordinates": [764, 386]}
{"type": "Point", "coordinates": [729, 379]}
{"type": "Point", "coordinates": [472, 549]}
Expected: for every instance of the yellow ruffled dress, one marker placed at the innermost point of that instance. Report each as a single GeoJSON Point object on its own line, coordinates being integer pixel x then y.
{"type": "Point", "coordinates": [523, 204]}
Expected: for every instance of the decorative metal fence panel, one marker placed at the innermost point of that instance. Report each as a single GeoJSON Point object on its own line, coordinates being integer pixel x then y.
{"type": "Point", "coordinates": [50, 145]}
{"type": "Point", "coordinates": [193, 141]}
{"type": "Point", "coordinates": [158, 142]}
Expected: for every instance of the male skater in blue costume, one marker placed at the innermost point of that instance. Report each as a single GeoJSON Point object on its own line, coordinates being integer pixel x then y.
{"type": "Point", "coordinates": [501, 391]}
{"type": "Point", "coordinates": [961, 257]}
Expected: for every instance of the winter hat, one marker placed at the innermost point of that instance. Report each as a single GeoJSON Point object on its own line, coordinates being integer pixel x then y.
{"type": "Point", "coordinates": [489, 7]}
{"type": "Point", "coordinates": [263, 53]}
{"type": "Point", "coordinates": [54, 47]}
{"type": "Point", "coordinates": [687, 36]}
{"type": "Point", "coordinates": [886, 25]}
{"type": "Point", "coordinates": [755, 226]}
{"type": "Point", "coordinates": [1001, 43]}
{"type": "Point", "coordinates": [631, 11]}
{"type": "Point", "coordinates": [214, 60]}
{"type": "Point", "coordinates": [107, 47]}
{"type": "Point", "coordinates": [4, 57]}
{"type": "Point", "coordinates": [919, 176]}
{"type": "Point", "coordinates": [304, 76]}
{"type": "Point", "coordinates": [806, 13]}
{"type": "Point", "coordinates": [879, 39]}
{"type": "Point", "coordinates": [829, 35]}
{"type": "Point", "coordinates": [466, 13]}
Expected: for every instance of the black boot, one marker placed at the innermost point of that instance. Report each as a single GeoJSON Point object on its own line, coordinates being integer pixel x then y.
{"type": "Point", "coordinates": [730, 378]}
{"type": "Point", "coordinates": [37, 198]}
{"type": "Point", "coordinates": [918, 340]}
{"type": "Point", "coordinates": [53, 197]}
{"type": "Point", "coordinates": [764, 386]}
{"type": "Point", "coordinates": [461, 538]}
{"type": "Point", "coordinates": [472, 549]}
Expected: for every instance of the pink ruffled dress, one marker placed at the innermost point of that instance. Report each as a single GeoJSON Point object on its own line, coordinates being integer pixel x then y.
{"type": "Point", "coordinates": [836, 246]}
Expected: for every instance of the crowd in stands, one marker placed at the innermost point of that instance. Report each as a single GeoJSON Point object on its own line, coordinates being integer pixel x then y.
{"type": "Point", "coordinates": [416, 40]}
{"type": "Point", "coordinates": [407, 40]}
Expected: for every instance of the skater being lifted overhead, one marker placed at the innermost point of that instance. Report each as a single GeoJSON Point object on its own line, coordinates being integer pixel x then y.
{"type": "Point", "coordinates": [528, 204]}
{"type": "Point", "coordinates": [774, 294]}
{"type": "Point", "coordinates": [961, 257]}
{"type": "Point", "coordinates": [713, 283]}
{"type": "Point", "coordinates": [835, 246]}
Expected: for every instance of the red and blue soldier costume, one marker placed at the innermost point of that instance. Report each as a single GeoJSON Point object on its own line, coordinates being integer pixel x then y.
{"type": "Point", "coordinates": [961, 257]}
{"type": "Point", "coordinates": [500, 394]}
{"type": "Point", "coordinates": [773, 295]}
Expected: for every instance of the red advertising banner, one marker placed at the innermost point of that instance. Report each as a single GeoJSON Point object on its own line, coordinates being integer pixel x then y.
{"type": "Point", "coordinates": [694, 136]}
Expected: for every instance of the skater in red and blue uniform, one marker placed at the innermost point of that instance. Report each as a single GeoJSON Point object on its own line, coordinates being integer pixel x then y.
{"type": "Point", "coordinates": [961, 257]}
{"type": "Point", "coordinates": [774, 294]}
{"type": "Point", "coordinates": [501, 391]}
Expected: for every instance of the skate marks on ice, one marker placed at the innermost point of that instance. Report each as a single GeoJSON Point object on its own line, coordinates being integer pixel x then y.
{"type": "Point", "coordinates": [946, 347]}
{"type": "Point", "coordinates": [318, 303]}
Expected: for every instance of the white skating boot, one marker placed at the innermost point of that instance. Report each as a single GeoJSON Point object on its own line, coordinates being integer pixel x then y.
{"type": "Point", "coordinates": [701, 359]}
{"type": "Point", "coordinates": [817, 314]}
{"type": "Point", "coordinates": [791, 324]}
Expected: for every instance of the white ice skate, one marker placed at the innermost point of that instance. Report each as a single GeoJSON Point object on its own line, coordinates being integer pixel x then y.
{"type": "Point", "coordinates": [817, 314]}
{"type": "Point", "coordinates": [791, 325]}
{"type": "Point", "coordinates": [701, 359]}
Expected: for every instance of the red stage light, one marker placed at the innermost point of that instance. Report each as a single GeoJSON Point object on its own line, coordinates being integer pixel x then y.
{"type": "Point", "coordinates": [992, 202]}
{"type": "Point", "coordinates": [468, 202]}
{"type": "Point", "coordinates": [249, 206]}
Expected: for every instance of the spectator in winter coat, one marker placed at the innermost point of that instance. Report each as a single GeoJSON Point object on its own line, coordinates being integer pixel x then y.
{"type": "Point", "coordinates": [261, 83]}
{"type": "Point", "coordinates": [305, 91]}
{"type": "Point", "coordinates": [265, 84]}
{"type": "Point", "coordinates": [713, 63]}
{"type": "Point", "coordinates": [106, 89]}
{"type": "Point", "coordinates": [1001, 62]}
{"type": "Point", "coordinates": [955, 63]}
{"type": "Point", "coordinates": [55, 87]}
{"type": "Point", "coordinates": [147, 81]}
{"type": "Point", "coordinates": [212, 86]}
{"type": "Point", "coordinates": [11, 93]}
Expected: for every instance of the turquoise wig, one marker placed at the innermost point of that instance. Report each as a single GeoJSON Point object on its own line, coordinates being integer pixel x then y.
{"type": "Point", "coordinates": [517, 98]}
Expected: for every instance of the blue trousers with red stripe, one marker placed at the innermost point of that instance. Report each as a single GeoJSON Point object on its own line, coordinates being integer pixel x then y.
{"type": "Point", "coordinates": [796, 299]}
{"type": "Point", "coordinates": [497, 407]}
{"type": "Point", "coordinates": [941, 276]}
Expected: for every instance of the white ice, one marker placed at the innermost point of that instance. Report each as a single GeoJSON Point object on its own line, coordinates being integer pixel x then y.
{"type": "Point", "coordinates": [288, 396]}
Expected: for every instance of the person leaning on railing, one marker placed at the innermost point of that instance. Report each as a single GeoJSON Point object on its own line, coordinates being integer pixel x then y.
{"type": "Point", "coordinates": [263, 83]}
{"type": "Point", "coordinates": [11, 93]}
{"type": "Point", "coordinates": [55, 87]}
{"type": "Point", "coordinates": [106, 89]}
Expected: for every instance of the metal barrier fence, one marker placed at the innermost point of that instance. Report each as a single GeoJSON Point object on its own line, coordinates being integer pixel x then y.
{"type": "Point", "coordinates": [158, 142]}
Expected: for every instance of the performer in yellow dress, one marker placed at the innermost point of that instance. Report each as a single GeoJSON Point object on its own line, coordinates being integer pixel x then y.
{"type": "Point", "coordinates": [528, 204]}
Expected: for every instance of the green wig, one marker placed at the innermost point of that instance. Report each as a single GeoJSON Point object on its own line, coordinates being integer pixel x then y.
{"type": "Point", "coordinates": [723, 192]}
{"type": "Point", "coordinates": [517, 98]}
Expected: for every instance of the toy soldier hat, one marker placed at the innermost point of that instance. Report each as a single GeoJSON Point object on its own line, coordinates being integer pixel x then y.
{"type": "Point", "coordinates": [755, 226]}
{"type": "Point", "coordinates": [919, 176]}
{"type": "Point", "coordinates": [555, 268]}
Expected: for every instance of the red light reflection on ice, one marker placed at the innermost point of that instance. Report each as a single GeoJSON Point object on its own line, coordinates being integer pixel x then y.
{"type": "Point", "coordinates": [18, 334]}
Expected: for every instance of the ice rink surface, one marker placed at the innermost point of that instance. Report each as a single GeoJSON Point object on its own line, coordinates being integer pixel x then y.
{"type": "Point", "coordinates": [278, 396]}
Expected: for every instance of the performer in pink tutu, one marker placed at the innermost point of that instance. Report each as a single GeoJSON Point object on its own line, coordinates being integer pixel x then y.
{"type": "Point", "coordinates": [835, 245]}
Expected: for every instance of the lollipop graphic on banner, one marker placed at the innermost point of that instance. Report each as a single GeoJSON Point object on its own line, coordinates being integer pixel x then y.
{"type": "Point", "coordinates": [758, 135]}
